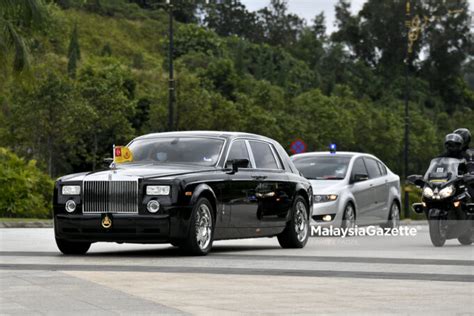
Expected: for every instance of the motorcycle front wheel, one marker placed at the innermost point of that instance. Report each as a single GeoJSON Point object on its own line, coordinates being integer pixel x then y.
{"type": "Point", "coordinates": [438, 230]}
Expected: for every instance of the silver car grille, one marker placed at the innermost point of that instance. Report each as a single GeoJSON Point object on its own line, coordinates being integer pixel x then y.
{"type": "Point", "coordinates": [110, 197]}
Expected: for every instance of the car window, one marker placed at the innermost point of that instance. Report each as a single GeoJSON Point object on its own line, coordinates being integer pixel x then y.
{"type": "Point", "coordinates": [323, 167]}
{"type": "Point", "coordinates": [372, 167]}
{"type": "Point", "coordinates": [359, 167]}
{"type": "Point", "coordinates": [238, 150]}
{"type": "Point", "coordinates": [383, 169]}
{"type": "Point", "coordinates": [263, 155]}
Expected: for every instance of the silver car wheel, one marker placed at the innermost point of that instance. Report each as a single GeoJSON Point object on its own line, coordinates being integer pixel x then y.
{"type": "Point", "coordinates": [301, 221]}
{"type": "Point", "coordinates": [395, 216]}
{"type": "Point", "coordinates": [349, 217]}
{"type": "Point", "coordinates": [203, 226]}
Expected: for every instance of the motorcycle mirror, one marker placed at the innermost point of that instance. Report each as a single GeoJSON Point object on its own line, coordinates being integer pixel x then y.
{"type": "Point", "coordinates": [416, 179]}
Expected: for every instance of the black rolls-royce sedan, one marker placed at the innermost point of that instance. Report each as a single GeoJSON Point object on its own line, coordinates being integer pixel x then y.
{"type": "Point", "coordinates": [187, 189]}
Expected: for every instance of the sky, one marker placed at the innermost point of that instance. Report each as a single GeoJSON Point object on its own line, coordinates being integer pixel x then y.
{"type": "Point", "coordinates": [308, 9]}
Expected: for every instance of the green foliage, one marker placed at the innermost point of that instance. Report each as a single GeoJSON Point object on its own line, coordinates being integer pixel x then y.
{"type": "Point", "coordinates": [25, 191]}
{"type": "Point", "coordinates": [265, 72]}
{"type": "Point", "coordinates": [18, 18]}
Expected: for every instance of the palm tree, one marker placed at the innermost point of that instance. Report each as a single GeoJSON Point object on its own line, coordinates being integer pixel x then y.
{"type": "Point", "coordinates": [16, 18]}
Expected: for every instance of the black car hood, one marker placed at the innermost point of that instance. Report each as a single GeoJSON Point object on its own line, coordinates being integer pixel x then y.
{"type": "Point", "coordinates": [132, 172]}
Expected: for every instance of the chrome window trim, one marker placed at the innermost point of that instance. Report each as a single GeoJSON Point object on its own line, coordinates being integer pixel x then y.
{"type": "Point", "coordinates": [252, 161]}
{"type": "Point", "coordinates": [279, 167]}
{"type": "Point", "coordinates": [203, 137]}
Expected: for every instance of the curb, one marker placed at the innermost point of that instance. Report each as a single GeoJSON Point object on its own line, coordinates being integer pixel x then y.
{"type": "Point", "coordinates": [36, 224]}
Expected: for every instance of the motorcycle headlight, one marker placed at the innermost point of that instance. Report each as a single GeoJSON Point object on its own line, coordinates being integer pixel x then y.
{"type": "Point", "coordinates": [446, 192]}
{"type": "Point", "coordinates": [428, 192]}
{"type": "Point", "coordinates": [157, 190]}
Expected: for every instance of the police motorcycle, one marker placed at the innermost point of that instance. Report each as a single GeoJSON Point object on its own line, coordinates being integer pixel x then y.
{"type": "Point", "coordinates": [446, 201]}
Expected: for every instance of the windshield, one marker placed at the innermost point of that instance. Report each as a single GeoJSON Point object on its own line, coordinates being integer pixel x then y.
{"type": "Point", "coordinates": [443, 169]}
{"type": "Point", "coordinates": [177, 150]}
{"type": "Point", "coordinates": [323, 168]}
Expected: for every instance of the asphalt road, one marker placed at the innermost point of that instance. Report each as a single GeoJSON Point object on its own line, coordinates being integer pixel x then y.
{"type": "Point", "coordinates": [361, 275]}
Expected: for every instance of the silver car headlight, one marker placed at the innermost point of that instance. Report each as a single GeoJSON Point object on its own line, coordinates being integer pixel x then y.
{"type": "Point", "coordinates": [325, 198]}
{"type": "Point", "coordinates": [428, 192]}
{"type": "Point", "coordinates": [446, 192]}
{"type": "Point", "coordinates": [158, 190]}
{"type": "Point", "coordinates": [71, 190]}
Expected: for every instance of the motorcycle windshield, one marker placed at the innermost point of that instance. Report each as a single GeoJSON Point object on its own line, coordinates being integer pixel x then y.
{"type": "Point", "coordinates": [443, 169]}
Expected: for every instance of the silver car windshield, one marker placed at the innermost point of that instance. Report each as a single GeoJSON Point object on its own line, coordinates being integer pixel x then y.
{"type": "Point", "coordinates": [443, 169]}
{"type": "Point", "coordinates": [323, 168]}
{"type": "Point", "coordinates": [177, 150]}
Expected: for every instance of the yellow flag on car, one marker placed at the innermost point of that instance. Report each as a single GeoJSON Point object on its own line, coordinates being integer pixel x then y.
{"type": "Point", "coordinates": [122, 154]}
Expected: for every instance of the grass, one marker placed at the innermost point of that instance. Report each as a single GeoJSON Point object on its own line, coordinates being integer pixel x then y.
{"type": "Point", "coordinates": [17, 220]}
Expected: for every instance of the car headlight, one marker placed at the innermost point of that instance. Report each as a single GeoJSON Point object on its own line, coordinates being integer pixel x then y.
{"type": "Point", "coordinates": [71, 190]}
{"type": "Point", "coordinates": [446, 192]}
{"type": "Point", "coordinates": [428, 192]}
{"type": "Point", "coordinates": [325, 198]}
{"type": "Point", "coordinates": [157, 190]}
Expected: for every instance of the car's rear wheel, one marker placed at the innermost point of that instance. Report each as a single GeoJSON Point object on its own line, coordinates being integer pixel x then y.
{"type": "Point", "coordinates": [349, 216]}
{"type": "Point", "coordinates": [296, 232]}
{"type": "Point", "coordinates": [72, 247]}
{"type": "Point", "coordinates": [201, 230]}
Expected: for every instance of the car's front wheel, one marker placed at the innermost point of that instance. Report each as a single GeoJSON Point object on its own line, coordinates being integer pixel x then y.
{"type": "Point", "coordinates": [201, 230]}
{"type": "Point", "coordinates": [349, 216]}
{"type": "Point", "coordinates": [393, 217]}
{"type": "Point", "coordinates": [296, 232]}
{"type": "Point", "coordinates": [72, 247]}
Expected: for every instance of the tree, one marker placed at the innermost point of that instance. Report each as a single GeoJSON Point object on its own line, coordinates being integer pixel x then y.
{"type": "Point", "coordinates": [16, 19]}
{"type": "Point", "coordinates": [103, 84]}
{"type": "Point", "coordinates": [233, 18]}
{"type": "Point", "coordinates": [74, 53]}
{"type": "Point", "coordinates": [48, 122]}
{"type": "Point", "coordinates": [280, 27]}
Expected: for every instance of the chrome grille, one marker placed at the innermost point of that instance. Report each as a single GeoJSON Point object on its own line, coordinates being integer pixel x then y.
{"type": "Point", "coordinates": [110, 197]}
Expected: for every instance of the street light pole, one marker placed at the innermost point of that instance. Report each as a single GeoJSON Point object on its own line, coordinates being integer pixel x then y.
{"type": "Point", "coordinates": [406, 149]}
{"type": "Point", "coordinates": [171, 70]}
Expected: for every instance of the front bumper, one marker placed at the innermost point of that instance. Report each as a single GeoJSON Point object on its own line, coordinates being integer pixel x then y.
{"type": "Point", "coordinates": [327, 208]}
{"type": "Point", "coordinates": [124, 228]}
{"type": "Point", "coordinates": [138, 228]}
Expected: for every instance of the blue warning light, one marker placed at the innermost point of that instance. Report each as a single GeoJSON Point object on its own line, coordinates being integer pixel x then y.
{"type": "Point", "coordinates": [332, 148]}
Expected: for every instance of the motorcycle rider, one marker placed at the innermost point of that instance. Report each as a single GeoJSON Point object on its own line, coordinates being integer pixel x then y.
{"type": "Point", "coordinates": [467, 153]}
{"type": "Point", "coordinates": [453, 143]}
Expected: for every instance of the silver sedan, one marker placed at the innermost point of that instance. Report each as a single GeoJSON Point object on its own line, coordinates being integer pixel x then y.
{"type": "Point", "coordinates": [351, 188]}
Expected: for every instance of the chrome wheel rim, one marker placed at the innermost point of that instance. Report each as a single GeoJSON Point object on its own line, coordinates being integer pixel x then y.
{"type": "Point", "coordinates": [349, 218]}
{"type": "Point", "coordinates": [301, 221]}
{"type": "Point", "coordinates": [203, 226]}
{"type": "Point", "coordinates": [395, 216]}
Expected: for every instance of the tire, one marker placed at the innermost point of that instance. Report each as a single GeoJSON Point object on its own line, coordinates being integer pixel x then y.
{"type": "Point", "coordinates": [201, 230]}
{"type": "Point", "coordinates": [296, 233]}
{"type": "Point", "coordinates": [437, 232]}
{"type": "Point", "coordinates": [393, 217]}
{"type": "Point", "coordinates": [72, 247]}
{"type": "Point", "coordinates": [349, 216]}
{"type": "Point", "coordinates": [466, 238]}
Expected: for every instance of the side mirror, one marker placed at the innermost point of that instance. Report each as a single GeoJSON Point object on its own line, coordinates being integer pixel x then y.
{"type": "Point", "coordinates": [238, 163]}
{"type": "Point", "coordinates": [416, 179]}
{"type": "Point", "coordinates": [359, 177]}
{"type": "Point", "coordinates": [106, 162]}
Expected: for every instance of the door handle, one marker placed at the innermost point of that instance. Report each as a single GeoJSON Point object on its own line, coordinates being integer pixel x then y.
{"type": "Point", "coordinates": [259, 177]}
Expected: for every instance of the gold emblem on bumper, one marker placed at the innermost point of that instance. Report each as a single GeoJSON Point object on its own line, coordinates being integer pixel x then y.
{"type": "Point", "coordinates": [106, 222]}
